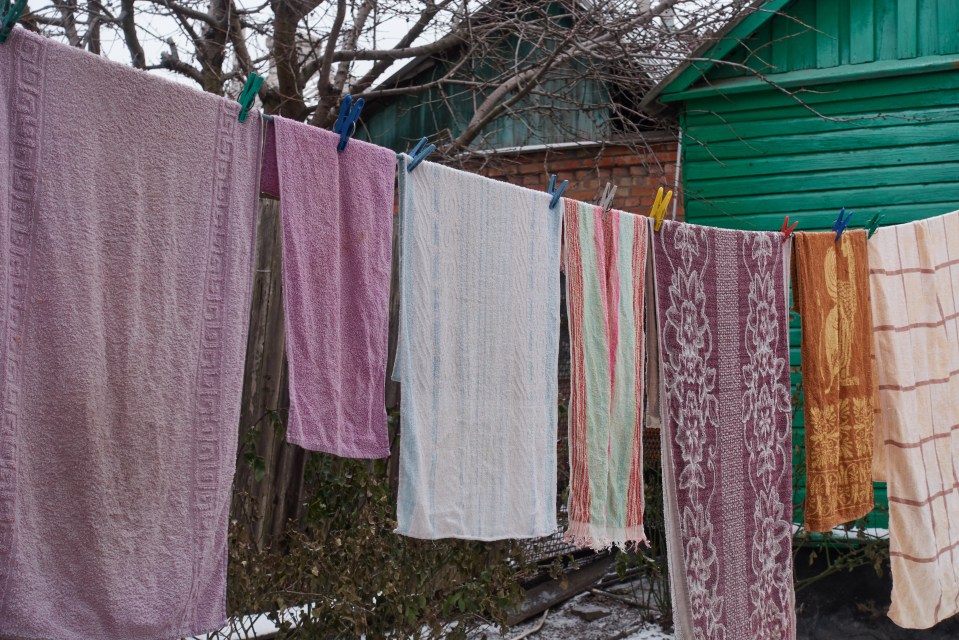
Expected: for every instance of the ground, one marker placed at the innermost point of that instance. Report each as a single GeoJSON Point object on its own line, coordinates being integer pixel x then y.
{"type": "Point", "coordinates": [843, 606]}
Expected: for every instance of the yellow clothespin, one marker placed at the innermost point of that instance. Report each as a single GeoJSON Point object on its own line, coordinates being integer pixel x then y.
{"type": "Point", "coordinates": [658, 212]}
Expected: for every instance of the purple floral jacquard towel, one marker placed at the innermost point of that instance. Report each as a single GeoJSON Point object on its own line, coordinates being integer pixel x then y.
{"type": "Point", "coordinates": [127, 209]}
{"type": "Point", "coordinates": [722, 321]}
{"type": "Point", "coordinates": [337, 218]}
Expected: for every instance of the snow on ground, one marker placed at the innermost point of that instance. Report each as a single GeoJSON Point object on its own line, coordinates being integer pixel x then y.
{"type": "Point", "coordinates": [620, 622]}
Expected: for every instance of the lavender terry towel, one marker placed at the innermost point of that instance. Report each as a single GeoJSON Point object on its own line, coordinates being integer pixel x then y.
{"type": "Point", "coordinates": [127, 207]}
{"type": "Point", "coordinates": [337, 218]}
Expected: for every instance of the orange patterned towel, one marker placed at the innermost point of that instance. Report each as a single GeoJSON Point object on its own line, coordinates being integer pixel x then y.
{"type": "Point", "coordinates": [831, 290]}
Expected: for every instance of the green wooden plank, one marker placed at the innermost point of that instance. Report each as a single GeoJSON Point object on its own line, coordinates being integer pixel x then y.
{"type": "Point", "coordinates": [803, 54]}
{"type": "Point", "coordinates": [886, 18]}
{"type": "Point", "coordinates": [928, 27]}
{"type": "Point", "coordinates": [782, 42]}
{"type": "Point", "coordinates": [948, 22]}
{"type": "Point", "coordinates": [823, 219]}
{"type": "Point", "coordinates": [796, 185]}
{"type": "Point", "coordinates": [892, 136]}
{"type": "Point", "coordinates": [787, 164]}
{"type": "Point", "coordinates": [843, 32]}
{"type": "Point", "coordinates": [866, 106]}
{"type": "Point", "coordinates": [817, 210]}
{"type": "Point", "coordinates": [815, 78]}
{"type": "Point", "coordinates": [862, 32]}
{"type": "Point", "coordinates": [827, 40]}
{"type": "Point", "coordinates": [907, 29]}
{"type": "Point", "coordinates": [810, 124]}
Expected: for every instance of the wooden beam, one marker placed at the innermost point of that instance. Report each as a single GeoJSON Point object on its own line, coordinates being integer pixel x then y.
{"type": "Point", "coordinates": [549, 594]}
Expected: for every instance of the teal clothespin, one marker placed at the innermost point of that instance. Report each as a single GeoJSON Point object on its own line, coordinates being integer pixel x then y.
{"type": "Point", "coordinates": [9, 16]}
{"type": "Point", "coordinates": [553, 191]}
{"type": "Point", "coordinates": [841, 222]}
{"type": "Point", "coordinates": [346, 121]}
{"type": "Point", "coordinates": [248, 95]}
{"type": "Point", "coordinates": [873, 225]}
{"type": "Point", "coordinates": [419, 153]}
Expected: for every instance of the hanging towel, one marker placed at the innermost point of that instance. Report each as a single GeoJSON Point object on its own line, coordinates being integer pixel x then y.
{"type": "Point", "coordinates": [727, 462]}
{"type": "Point", "coordinates": [914, 273]}
{"type": "Point", "coordinates": [477, 356]}
{"type": "Point", "coordinates": [605, 297]}
{"type": "Point", "coordinates": [831, 291]}
{"type": "Point", "coordinates": [128, 210]}
{"type": "Point", "coordinates": [337, 219]}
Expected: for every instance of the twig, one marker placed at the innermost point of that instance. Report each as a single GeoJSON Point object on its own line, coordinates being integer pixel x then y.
{"type": "Point", "coordinates": [625, 599]}
{"type": "Point", "coordinates": [535, 629]}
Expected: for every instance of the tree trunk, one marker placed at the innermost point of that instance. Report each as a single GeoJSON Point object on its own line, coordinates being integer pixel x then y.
{"type": "Point", "coordinates": [277, 495]}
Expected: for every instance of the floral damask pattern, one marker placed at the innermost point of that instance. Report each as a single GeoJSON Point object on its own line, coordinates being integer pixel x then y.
{"type": "Point", "coordinates": [726, 409]}
{"type": "Point", "coordinates": [765, 400]}
{"type": "Point", "coordinates": [694, 407]}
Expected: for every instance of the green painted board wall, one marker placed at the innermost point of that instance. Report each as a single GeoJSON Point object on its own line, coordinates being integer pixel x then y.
{"type": "Point", "coordinates": [821, 34]}
{"type": "Point", "coordinates": [882, 145]}
{"type": "Point", "coordinates": [558, 118]}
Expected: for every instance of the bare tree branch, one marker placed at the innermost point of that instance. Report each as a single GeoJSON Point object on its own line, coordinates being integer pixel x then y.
{"type": "Point", "coordinates": [127, 22]}
{"type": "Point", "coordinates": [325, 89]}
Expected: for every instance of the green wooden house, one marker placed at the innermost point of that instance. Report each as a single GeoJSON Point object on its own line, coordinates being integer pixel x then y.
{"type": "Point", "coordinates": [570, 105]}
{"type": "Point", "coordinates": [805, 106]}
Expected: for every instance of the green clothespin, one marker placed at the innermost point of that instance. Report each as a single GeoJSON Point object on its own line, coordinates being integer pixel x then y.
{"type": "Point", "coordinates": [9, 16]}
{"type": "Point", "coordinates": [873, 225]}
{"type": "Point", "coordinates": [248, 95]}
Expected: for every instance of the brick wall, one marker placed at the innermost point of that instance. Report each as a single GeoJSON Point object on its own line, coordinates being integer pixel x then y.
{"type": "Point", "coordinates": [637, 171]}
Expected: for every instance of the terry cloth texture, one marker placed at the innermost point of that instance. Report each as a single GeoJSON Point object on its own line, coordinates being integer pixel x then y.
{"type": "Point", "coordinates": [128, 210]}
{"type": "Point", "coordinates": [605, 297]}
{"type": "Point", "coordinates": [914, 273]}
{"type": "Point", "coordinates": [727, 462]}
{"type": "Point", "coordinates": [477, 356]}
{"type": "Point", "coordinates": [337, 219]}
{"type": "Point", "coordinates": [831, 291]}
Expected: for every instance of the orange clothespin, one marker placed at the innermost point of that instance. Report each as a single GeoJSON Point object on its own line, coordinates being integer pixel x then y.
{"type": "Point", "coordinates": [658, 212]}
{"type": "Point", "coordinates": [787, 230]}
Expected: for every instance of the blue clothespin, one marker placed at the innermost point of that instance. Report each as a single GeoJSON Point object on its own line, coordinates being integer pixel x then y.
{"type": "Point", "coordinates": [419, 153]}
{"type": "Point", "coordinates": [346, 122]}
{"type": "Point", "coordinates": [9, 16]}
{"type": "Point", "coordinates": [873, 225]}
{"type": "Point", "coordinates": [841, 222]}
{"type": "Point", "coordinates": [553, 191]}
{"type": "Point", "coordinates": [248, 95]}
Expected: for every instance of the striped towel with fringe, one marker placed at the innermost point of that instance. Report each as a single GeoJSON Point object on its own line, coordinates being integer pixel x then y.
{"type": "Point", "coordinates": [605, 285]}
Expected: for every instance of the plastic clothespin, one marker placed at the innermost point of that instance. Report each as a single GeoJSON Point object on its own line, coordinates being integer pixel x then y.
{"type": "Point", "coordinates": [419, 153]}
{"type": "Point", "coordinates": [606, 201]}
{"type": "Point", "coordinates": [346, 122]}
{"type": "Point", "coordinates": [841, 222]}
{"type": "Point", "coordinates": [553, 191]}
{"type": "Point", "coordinates": [658, 212]}
{"type": "Point", "coordinates": [248, 95]}
{"type": "Point", "coordinates": [788, 230]}
{"type": "Point", "coordinates": [9, 16]}
{"type": "Point", "coordinates": [873, 225]}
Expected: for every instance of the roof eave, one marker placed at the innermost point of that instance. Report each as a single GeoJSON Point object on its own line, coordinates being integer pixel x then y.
{"type": "Point", "coordinates": [705, 57]}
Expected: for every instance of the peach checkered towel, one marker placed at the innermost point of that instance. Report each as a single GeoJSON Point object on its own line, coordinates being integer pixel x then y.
{"type": "Point", "coordinates": [914, 277]}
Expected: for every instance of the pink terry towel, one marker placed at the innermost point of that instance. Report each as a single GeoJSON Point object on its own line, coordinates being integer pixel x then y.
{"type": "Point", "coordinates": [127, 209]}
{"type": "Point", "coordinates": [337, 218]}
